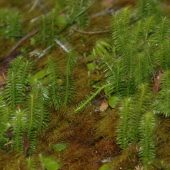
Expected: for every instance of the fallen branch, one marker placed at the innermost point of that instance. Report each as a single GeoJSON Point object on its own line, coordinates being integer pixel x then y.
{"type": "Point", "coordinates": [21, 41]}
{"type": "Point", "coordinates": [107, 11]}
{"type": "Point", "coordinates": [92, 32]}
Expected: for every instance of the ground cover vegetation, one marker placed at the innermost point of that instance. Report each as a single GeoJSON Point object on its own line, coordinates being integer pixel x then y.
{"type": "Point", "coordinates": [45, 117]}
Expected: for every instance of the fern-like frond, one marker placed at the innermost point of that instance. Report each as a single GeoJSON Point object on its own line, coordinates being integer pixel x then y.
{"type": "Point", "coordinates": [120, 32]}
{"type": "Point", "coordinates": [17, 82]}
{"type": "Point", "coordinates": [19, 127]}
{"type": "Point", "coordinates": [54, 87]}
{"type": "Point", "coordinates": [161, 43]}
{"type": "Point", "coordinates": [68, 87]}
{"type": "Point", "coordinates": [147, 145]}
{"type": "Point", "coordinates": [88, 99]}
{"type": "Point", "coordinates": [37, 115]}
{"type": "Point", "coordinates": [112, 68]}
{"type": "Point", "coordinates": [141, 103]}
{"type": "Point", "coordinates": [31, 164]}
{"type": "Point", "coordinates": [162, 103]}
{"type": "Point", "coordinates": [124, 131]}
{"type": "Point", "coordinates": [143, 70]}
{"type": "Point", "coordinates": [5, 115]}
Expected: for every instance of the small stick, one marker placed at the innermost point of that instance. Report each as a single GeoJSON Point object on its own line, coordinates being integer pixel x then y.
{"type": "Point", "coordinates": [107, 11]}
{"type": "Point", "coordinates": [58, 42]}
{"type": "Point", "coordinates": [92, 32]}
{"type": "Point", "coordinates": [21, 41]}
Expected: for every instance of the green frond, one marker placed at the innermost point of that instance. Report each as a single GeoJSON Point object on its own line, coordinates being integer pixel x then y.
{"type": "Point", "coordinates": [162, 103]}
{"type": "Point", "coordinates": [141, 103]}
{"type": "Point", "coordinates": [161, 43]}
{"type": "Point", "coordinates": [68, 90]}
{"type": "Point", "coordinates": [112, 68]}
{"type": "Point", "coordinates": [143, 70]}
{"type": "Point", "coordinates": [124, 131]}
{"type": "Point", "coordinates": [37, 115]}
{"type": "Point", "coordinates": [101, 49]}
{"type": "Point", "coordinates": [142, 98]}
{"type": "Point", "coordinates": [68, 86]}
{"type": "Point", "coordinates": [32, 136]}
{"type": "Point", "coordinates": [147, 145]}
{"type": "Point", "coordinates": [126, 67]}
{"type": "Point", "coordinates": [19, 127]}
{"type": "Point", "coordinates": [17, 82]}
{"type": "Point", "coordinates": [31, 164]}
{"type": "Point", "coordinates": [131, 112]}
{"type": "Point", "coordinates": [120, 32]}
{"type": "Point", "coordinates": [5, 115]}
{"type": "Point", "coordinates": [54, 87]}
{"type": "Point", "coordinates": [88, 99]}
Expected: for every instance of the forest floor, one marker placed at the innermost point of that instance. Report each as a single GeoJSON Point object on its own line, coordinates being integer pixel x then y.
{"type": "Point", "coordinates": [89, 135]}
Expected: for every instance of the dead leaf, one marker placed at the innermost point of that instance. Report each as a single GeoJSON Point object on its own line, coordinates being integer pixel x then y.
{"type": "Point", "coordinates": [103, 106]}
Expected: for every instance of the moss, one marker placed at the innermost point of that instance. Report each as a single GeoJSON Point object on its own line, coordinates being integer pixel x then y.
{"type": "Point", "coordinates": [91, 136]}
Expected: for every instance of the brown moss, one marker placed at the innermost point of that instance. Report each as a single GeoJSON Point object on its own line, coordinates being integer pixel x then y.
{"type": "Point", "coordinates": [80, 156]}
{"type": "Point", "coordinates": [163, 141]}
{"type": "Point", "coordinates": [127, 159]}
{"type": "Point", "coordinates": [106, 148]}
{"type": "Point", "coordinates": [106, 126]}
{"type": "Point", "coordinates": [12, 161]}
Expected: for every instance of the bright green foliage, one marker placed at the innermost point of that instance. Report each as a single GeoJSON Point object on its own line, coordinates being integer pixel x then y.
{"type": "Point", "coordinates": [5, 114]}
{"type": "Point", "coordinates": [124, 131]}
{"type": "Point", "coordinates": [54, 85]}
{"type": "Point", "coordinates": [36, 107]}
{"type": "Point", "coordinates": [10, 23]}
{"type": "Point", "coordinates": [24, 106]}
{"type": "Point", "coordinates": [68, 87]}
{"type": "Point", "coordinates": [163, 101]}
{"type": "Point", "coordinates": [37, 115]}
{"type": "Point", "coordinates": [121, 27]}
{"type": "Point", "coordinates": [19, 125]}
{"type": "Point", "coordinates": [61, 91]}
{"type": "Point", "coordinates": [147, 146]}
{"type": "Point", "coordinates": [141, 103]}
{"type": "Point", "coordinates": [26, 115]}
{"type": "Point", "coordinates": [30, 164]}
{"type": "Point", "coordinates": [127, 67]}
{"type": "Point", "coordinates": [130, 60]}
{"type": "Point", "coordinates": [88, 99]}
{"type": "Point", "coordinates": [132, 110]}
{"type": "Point", "coordinates": [17, 82]}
